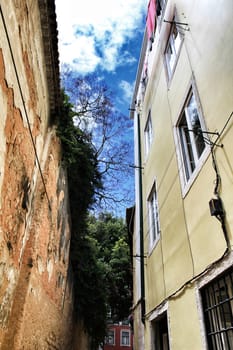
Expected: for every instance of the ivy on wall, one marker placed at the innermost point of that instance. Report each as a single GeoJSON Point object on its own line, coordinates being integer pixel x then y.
{"type": "Point", "coordinates": [79, 158]}
{"type": "Point", "coordinates": [100, 255]}
{"type": "Point", "coordinates": [82, 166]}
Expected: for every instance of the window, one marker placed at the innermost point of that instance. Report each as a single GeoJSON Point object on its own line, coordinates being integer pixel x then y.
{"type": "Point", "coordinates": [191, 140]}
{"type": "Point", "coordinates": [160, 4]}
{"type": "Point", "coordinates": [172, 49]}
{"type": "Point", "coordinates": [125, 338]}
{"type": "Point", "coordinates": [110, 338]}
{"type": "Point", "coordinates": [217, 298]}
{"type": "Point", "coordinates": [153, 215]}
{"type": "Point", "coordinates": [160, 333]}
{"type": "Point", "coordinates": [148, 133]}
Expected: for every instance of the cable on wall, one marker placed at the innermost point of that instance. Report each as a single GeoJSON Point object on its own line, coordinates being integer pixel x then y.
{"type": "Point", "coordinates": [24, 107]}
{"type": "Point", "coordinates": [215, 204]}
{"type": "Point", "coordinates": [223, 129]}
{"type": "Point", "coordinates": [189, 283]}
{"type": "Point", "coordinates": [183, 208]}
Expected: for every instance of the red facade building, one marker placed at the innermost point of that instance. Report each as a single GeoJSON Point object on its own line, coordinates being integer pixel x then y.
{"type": "Point", "coordinates": [119, 337]}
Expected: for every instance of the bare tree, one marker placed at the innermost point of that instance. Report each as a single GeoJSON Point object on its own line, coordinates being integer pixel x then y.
{"type": "Point", "coordinates": [106, 127]}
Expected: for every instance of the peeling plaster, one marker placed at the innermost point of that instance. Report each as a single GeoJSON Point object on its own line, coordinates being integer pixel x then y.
{"type": "Point", "coordinates": [50, 266]}
{"type": "Point", "coordinates": [40, 265]}
{"type": "Point", "coordinates": [3, 104]}
{"type": "Point", "coordinates": [6, 301]}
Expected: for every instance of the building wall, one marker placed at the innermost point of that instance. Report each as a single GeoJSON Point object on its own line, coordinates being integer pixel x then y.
{"type": "Point", "coordinates": [117, 329]}
{"type": "Point", "coordinates": [35, 281]}
{"type": "Point", "coordinates": [191, 241]}
{"type": "Point", "coordinates": [137, 259]}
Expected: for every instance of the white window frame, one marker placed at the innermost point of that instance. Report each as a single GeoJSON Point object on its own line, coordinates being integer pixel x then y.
{"type": "Point", "coordinates": [125, 331]}
{"type": "Point", "coordinates": [209, 277]}
{"type": "Point", "coordinates": [148, 132]}
{"type": "Point", "coordinates": [173, 45]}
{"type": "Point", "coordinates": [108, 336]}
{"type": "Point", "coordinates": [189, 168]}
{"type": "Point", "coordinates": [153, 217]}
{"type": "Point", "coordinates": [218, 318]}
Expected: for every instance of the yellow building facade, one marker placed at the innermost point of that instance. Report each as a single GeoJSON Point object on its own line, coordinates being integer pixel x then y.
{"type": "Point", "coordinates": [183, 221]}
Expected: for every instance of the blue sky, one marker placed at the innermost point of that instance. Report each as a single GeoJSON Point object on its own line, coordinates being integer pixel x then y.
{"type": "Point", "coordinates": [104, 37]}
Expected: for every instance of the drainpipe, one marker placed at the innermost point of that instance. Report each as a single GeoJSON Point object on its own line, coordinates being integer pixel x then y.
{"type": "Point", "coordinates": [143, 308]}
{"type": "Point", "coordinates": [132, 115]}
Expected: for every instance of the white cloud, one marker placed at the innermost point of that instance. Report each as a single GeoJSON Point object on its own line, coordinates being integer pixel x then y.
{"type": "Point", "coordinates": [127, 89]}
{"type": "Point", "coordinates": [92, 33]}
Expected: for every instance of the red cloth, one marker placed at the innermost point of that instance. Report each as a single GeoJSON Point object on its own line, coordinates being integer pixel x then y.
{"type": "Point", "coordinates": [150, 20]}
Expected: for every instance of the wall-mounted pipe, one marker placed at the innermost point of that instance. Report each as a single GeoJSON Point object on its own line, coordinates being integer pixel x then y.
{"type": "Point", "coordinates": [143, 308]}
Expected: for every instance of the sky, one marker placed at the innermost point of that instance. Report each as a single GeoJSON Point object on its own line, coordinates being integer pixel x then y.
{"type": "Point", "coordinates": [104, 37]}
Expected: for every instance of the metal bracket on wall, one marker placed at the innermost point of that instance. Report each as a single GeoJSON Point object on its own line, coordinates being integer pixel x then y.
{"type": "Point", "coordinates": [136, 167]}
{"type": "Point", "coordinates": [207, 140]}
{"type": "Point", "coordinates": [184, 25]}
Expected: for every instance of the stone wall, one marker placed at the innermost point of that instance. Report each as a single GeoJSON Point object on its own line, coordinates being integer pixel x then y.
{"type": "Point", "coordinates": [35, 279]}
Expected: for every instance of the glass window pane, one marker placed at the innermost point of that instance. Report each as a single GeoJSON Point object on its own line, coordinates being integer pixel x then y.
{"type": "Point", "coordinates": [176, 38]}
{"type": "Point", "coordinates": [171, 57]}
{"type": "Point", "coordinates": [190, 133]}
{"type": "Point", "coordinates": [110, 337]}
{"type": "Point", "coordinates": [186, 147]}
{"type": "Point", "coordinates": [196, 125]}
{"type": "Point", "coordinates": [148, 133]}
{"type": "Point", "coordinates": [125, 338]}
{"type": "Point", "coordinates": [217, 305]}
{"type": "Point", "coordinates": [153, 214]}
{"type": "Point", "coordinates": [172, 49]}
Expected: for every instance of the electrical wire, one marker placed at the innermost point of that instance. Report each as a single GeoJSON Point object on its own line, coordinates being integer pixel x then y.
{"type": "Point", "coordinates": [176, 293]}
{"type": "Point", "coordinates": [216, 190]}
{"type": "Point", "coordinates": [183, 208]}
{"type": "Point", "coordinates": [223, 129]}
{"type": "Point", "coordinates": [218, 178]}
{"type": "Point", "coordinates": [221, 216]}
{"type": "Point", "coordinates": [24, 106]}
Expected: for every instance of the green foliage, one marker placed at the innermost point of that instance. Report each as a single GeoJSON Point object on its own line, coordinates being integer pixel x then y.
{"type": "Point", "coordinates": [99, 248]}
{"type": "Point", "coordinates": [120, 297]}
{"type": "Point", "coordinates": [79, 158]}
{"type": "Point", "coordinates": [90, 299]}
{"type": "Point", "coordinates": [111, 236]}
{"type": "Point", "coordinates": [82, 166]}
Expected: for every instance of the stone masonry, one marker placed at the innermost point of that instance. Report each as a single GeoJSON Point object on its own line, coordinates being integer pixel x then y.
{"type": "Point", "coordinates": [35, 278]}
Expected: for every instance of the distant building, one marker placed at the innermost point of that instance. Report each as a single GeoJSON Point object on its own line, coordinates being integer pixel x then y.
{"type": "Point", "coordinates": [183, 220]}
{"type": "Point", "coordinates": [119, 337]}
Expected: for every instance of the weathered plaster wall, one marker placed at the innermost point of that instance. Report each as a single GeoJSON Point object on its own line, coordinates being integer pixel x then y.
{"type": "Point", "coordinates": [35, 286]}
{"type": "Point", "coordinates": [190, 240]}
